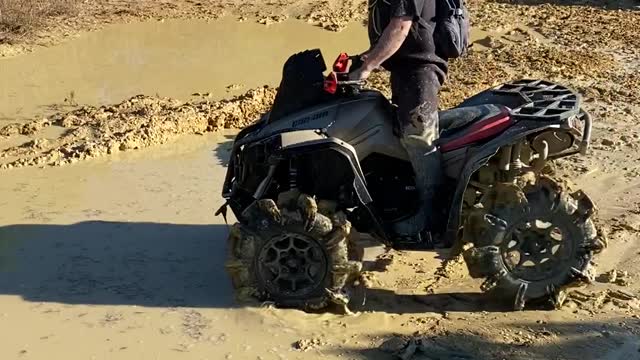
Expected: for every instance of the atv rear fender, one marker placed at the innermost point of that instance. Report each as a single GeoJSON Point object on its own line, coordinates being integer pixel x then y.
{"type": "Point", "coordinates": [481, 156]}
{"type": "Point", "coordinates": [536, 106]}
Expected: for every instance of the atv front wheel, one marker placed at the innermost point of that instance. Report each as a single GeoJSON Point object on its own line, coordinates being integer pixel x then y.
{"type": "Point", "coordinates": [292, 253]}
{"type": "Point", "coordinates": [530, 243]}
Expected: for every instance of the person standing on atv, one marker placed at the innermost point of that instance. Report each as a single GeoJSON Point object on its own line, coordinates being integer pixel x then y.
{"type": "Point", "coordinates": [402, 41]}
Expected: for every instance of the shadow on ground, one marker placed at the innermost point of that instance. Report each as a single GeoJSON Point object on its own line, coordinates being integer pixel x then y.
{"type": "Point", "coordinates": [383, 300]}
{"type": "Point", "coordinates": [585, 340]}
{"type": "Point", "coordinates": [223, 150]}
{"type": "Point", "coordinates": [151, 264]}
{"type": "Point", "coordinates": [157, 265]}
{"type": "Point", "coordinates": [116, 263]}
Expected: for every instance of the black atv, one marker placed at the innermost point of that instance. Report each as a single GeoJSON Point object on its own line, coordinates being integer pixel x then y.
{"type": "Point", "coordinates": [326, 158]}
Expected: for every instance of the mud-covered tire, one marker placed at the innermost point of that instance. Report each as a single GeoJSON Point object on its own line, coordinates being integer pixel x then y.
{"type": "Point", "coordinates": [280, 247]}
{"type": "Point", "coordinates": [540, 222]}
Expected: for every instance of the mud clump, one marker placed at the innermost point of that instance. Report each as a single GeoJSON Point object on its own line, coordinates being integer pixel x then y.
{"type": "Point", "coordinates": [136, 123]}
{"type": "Point", "coordinates": [194, 324]}
{"type": "Point", "coordinates": [28, 129]}
{"type": "Point", "coordinates": [368, 279]}
{"type": "Point", "coordinates": [384, 261]}
{"type": "Point", "coordinates": [600, 300]}
{"type": "Point", "coordinates": [305, 345]}
{"type": "Point", "coordinates": [607, 142]}
{"type": "Point", "coordinates": [335, 16]}
{"type": "Point", "coordinates": [618, 277]}
{"type": "Point", "coordinates": [394, 344]}
{"type": "Point", "coordinates": [273, 19]}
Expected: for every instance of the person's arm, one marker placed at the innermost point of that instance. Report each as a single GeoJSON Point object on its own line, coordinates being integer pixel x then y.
{"type": "Point", "coordinates": [392, 38]}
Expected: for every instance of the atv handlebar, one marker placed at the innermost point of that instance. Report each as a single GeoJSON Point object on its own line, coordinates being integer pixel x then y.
{"type": "Point", "coordinates": [339, 80]}
{"type": "Point", "coordinates": [356, 63]}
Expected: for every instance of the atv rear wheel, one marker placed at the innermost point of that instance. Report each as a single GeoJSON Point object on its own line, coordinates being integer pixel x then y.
{"type": "Point", "coordinates": [292, 253]}
{"type": "Point", "coordinates": [530, 243]}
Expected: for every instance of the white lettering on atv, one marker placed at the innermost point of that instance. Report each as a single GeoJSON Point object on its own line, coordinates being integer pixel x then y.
{"type": "Point", "coordinates": [309, 118]}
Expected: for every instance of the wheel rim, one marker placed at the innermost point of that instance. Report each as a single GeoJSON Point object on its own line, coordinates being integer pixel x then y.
{"type": "Point", "coordinates": [537, 249]}
{"type": "Point", "coordinates": [292, 265]}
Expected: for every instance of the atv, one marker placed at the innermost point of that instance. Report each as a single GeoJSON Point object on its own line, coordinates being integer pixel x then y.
{"type": "Point", "coordinates": [327, 157]}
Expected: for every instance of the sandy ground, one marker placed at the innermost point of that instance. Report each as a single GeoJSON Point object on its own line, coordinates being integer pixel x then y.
{"type": "Point", "coordinates": [122, 258]}
{"type": "Point", "coordinates": [118, 255]}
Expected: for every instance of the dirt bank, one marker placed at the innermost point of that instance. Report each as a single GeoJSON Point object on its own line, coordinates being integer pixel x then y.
{"type": "Point", "coordinates": [136, 123]}
{"type": "Point", "coordinates": [174, 58]}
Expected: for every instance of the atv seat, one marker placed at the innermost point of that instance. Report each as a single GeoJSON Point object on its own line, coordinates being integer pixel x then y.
{"type": "Point", "coordinates": [462, 126]}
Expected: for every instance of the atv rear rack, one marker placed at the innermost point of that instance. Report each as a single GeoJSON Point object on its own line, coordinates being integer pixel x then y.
{"type": "Point", "coordinates": [548, 101]}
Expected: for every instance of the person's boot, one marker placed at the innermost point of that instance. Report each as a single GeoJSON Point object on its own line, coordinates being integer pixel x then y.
{"type": "Point", "coordinates": [426, 162]}
{"type": "Point", "coordinates": [419, 141]}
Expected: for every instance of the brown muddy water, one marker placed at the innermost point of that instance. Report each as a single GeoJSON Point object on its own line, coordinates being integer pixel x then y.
{"type": "Point", "coordinates": [130, 264]}
{"type": "Point", "coordinates": [123, 258]}
{"type": "Point", "coordinates": [173, 58]}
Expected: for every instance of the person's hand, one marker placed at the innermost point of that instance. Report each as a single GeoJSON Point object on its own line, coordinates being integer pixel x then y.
{"type": "Point", "coordinates": [361, 74]}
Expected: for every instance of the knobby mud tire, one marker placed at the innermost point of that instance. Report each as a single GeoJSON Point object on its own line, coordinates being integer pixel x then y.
{"type": "Point", "coordinates": [496, 228]}
{"type": "Point", "coordinates": [317, 224]}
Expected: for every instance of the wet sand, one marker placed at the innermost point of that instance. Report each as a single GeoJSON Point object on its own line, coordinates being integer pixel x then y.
{"type": "Point", "coordinates": [123, 258]}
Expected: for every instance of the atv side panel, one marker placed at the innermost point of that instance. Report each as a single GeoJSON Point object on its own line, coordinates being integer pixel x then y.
{"type": "Point", "coordinates": [317, 117]}
{"type": "Point", "coordinates": [363, 121]}
{"type": "Point", "coordinates": [367, 124]}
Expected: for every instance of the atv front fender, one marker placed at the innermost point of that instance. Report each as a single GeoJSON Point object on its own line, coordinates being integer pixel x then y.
{"type": "Point", "coordinates": [307, 141]}
{"type": "Point", "coordinates": [314, 141]}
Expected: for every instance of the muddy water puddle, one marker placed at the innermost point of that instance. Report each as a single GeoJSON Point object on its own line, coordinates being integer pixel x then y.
{"type": "Point", "coordinates": [173, 58]}
{"type": "Point", "coordinates": [125, 254]}
{"type": "Point", "coordinates": [130, 259]}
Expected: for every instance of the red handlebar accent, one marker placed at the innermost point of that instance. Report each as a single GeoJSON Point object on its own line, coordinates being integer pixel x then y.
{"type": "Point", "coordinates": [342, 63]}
{"type": "Point", "coordinates": [331, 83]}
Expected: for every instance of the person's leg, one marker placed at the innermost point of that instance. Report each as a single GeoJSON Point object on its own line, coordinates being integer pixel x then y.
{"type": "Point", "coordinates": [416, 95]}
